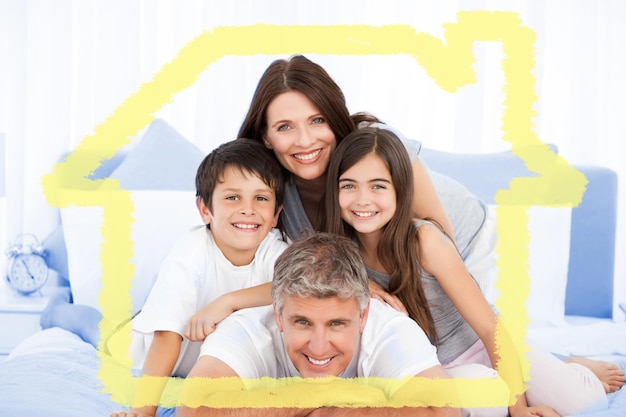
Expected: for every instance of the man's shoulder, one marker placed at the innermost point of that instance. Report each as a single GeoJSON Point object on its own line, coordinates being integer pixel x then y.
{"type": "Point", "coordinates": [247, 341]}
{"type": "Point", "coordinates": [383, 322]}
{"type": "Point", "coordinates": [255, 325]}
{"type": "Point", "coordinates": [393, 345]}
{"type": "Point", "coordinates": [254, 321]}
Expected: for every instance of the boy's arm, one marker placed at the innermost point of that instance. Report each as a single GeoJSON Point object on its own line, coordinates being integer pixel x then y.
{"type": "Point", "coordinates": [160, 361]}
{"type": "Point", "coordinates": [204, 321]}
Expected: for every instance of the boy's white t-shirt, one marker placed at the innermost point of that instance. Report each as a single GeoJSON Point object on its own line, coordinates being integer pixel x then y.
{"type": "Point", "coordinates": [194, 273]}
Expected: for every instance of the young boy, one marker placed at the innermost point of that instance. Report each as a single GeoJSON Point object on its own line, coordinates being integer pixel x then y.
{"type": "Point", "coordinates": [211, 271]}
{"type": "Point", "coordinates": [215, 269]}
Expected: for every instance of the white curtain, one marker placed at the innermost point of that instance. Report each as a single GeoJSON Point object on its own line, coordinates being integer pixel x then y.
{"type": "Point", "coordinates": [68, 64]}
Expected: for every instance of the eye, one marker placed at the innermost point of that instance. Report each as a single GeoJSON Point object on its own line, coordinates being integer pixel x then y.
{"type": "Point", "coordinates": [232, 197]}
{"type": "Point", "coordinates": [302, 322]}
{"type": "Point", "coordinates": [262, 198]}
{"type": "Point", "coordinates": [346, 186]}
{"type": "Point", "coordinates": [379, 187]}
{"type": "Point", "coordinates": [317, 120]}
{"type": "Point", "coordinates": [283, 128]}
{"type": "Point", "coordinates": [336, 323]}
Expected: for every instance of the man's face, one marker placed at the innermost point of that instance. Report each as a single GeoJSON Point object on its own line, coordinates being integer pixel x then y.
{"type": "Point", "coordinates": [321, 335]}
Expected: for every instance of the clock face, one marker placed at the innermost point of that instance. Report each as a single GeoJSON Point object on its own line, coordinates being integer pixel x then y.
{"type": "Point", "coordinates": [27, 272]}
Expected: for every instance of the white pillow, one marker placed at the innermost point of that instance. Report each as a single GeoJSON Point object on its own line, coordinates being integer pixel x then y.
{"type": "Point", "coordinates": [161, 216]}
{"type": "Point", "coordinates": [548, 259]}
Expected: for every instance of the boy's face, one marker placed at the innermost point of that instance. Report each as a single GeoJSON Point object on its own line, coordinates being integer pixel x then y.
{"type": "Point", "coordinates": [242, 215]}
{"type": "Point", "coordinates": [321, 335]}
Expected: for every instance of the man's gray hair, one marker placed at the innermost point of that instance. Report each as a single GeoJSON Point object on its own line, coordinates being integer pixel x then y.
{"type": "Point", "coordinates": [320, 265]}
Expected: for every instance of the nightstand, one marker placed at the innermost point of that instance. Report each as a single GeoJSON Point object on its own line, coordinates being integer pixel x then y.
{"type": "Point", "coordinates": [19, 316]}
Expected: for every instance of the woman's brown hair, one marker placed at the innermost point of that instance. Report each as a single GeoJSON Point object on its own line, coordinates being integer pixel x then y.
{"type": "Point", "coordinates": [298, 73]}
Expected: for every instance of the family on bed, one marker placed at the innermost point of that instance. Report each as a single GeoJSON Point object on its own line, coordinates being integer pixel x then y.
{"type": "Point", "coordinates": [327, 250]}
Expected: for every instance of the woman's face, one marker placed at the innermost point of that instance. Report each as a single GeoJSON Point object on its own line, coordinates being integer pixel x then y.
{"type": "Point", "coordinates": [299, 135]}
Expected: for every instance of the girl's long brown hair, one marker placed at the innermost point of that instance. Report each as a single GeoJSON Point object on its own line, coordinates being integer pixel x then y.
{"type": "Point", "coordinates": [398, 246]}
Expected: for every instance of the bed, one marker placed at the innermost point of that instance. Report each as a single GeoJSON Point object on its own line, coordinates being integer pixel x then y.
{"type": "Point", "coordinates": [55, 373]}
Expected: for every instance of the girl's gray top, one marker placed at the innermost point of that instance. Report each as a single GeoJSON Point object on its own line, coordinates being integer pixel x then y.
{"type": "Point", "coordinates": [455, 334]}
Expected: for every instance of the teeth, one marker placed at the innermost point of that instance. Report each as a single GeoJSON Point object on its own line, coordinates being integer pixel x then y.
{"type": "Point", "coordinates": [306, 157]}
{"type": "Point", "coordinates": [316, 362]}
{"type": "Point", "coordinates": [246, 226]}
{"type": "Point", "coordinates": [365, 213]}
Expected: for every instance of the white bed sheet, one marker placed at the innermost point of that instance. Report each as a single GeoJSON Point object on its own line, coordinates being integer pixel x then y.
{"type": "Point", "coordinates": [583, 336]}
{"type": "Point", "coordinates": [53, 374]}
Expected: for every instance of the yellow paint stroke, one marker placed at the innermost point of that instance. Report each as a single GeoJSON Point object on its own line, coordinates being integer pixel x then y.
{"type": "Point", "coordinates": [450, 64]}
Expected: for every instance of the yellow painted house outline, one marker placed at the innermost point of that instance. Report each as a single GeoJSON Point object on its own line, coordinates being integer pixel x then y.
{"type": "Point", "coordinates": [449, 63]}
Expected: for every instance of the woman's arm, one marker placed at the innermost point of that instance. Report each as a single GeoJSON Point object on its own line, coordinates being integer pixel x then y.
{"type": "Point", "coordinates": [204, 321]}
{"type": "Point", "coordinates": [426, 202]}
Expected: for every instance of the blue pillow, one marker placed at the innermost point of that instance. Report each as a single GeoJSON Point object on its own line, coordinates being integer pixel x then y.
{"type": "Point", "coordinates": [162, 160]}
{"type": "Point", "coordinates": [482, 174]}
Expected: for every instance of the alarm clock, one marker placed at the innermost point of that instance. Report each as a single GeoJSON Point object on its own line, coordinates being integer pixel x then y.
{"type": "Point", "coordinates": [27, 270]}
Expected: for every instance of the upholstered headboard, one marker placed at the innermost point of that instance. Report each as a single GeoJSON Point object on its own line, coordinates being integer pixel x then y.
{"type": "Point", "coordinates": [590, 272]}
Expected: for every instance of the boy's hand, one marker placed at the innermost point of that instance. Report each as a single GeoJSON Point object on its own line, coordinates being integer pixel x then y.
{"type": "Point", "coordinates": [204, 321]}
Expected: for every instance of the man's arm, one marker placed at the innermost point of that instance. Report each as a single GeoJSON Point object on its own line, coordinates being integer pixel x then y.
{"type": "Point", "coordinates": [406, 391]}
{"type": "Point", "coordinates": [208, 366]}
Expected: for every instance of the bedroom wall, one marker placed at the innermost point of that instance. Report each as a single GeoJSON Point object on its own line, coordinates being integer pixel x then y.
{"type": "Point", "coordinates": [73, 62]}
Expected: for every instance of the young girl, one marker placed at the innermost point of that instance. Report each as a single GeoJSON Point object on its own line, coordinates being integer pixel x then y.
{"type": "Point", "coordinates": [369, 194]}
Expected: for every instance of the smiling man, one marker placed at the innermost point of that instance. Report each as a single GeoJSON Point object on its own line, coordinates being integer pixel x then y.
{"type": "Point", "coordinates": [322, 323]}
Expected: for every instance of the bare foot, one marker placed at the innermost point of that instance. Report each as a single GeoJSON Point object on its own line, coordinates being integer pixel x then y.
{"type": "Point", "coordinates": [60, 298]}
{"type": "Point", "coordinates": [82, 320]}
{"type": "Point", "coordinates": [611, 376]}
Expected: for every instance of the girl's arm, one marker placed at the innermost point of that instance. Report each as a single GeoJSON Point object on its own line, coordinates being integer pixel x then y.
{"type": "Point", "coordinates": [426, 202]}
{"type": "Point", "coordinates": [440, 258]}
{"type": "Point", "coordinates": [204, 321]}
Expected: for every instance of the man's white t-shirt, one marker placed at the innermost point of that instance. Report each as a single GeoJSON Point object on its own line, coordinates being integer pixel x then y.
{"type": "Point", "coordinates": [392, 345]}
{"type": "Point", "coordinates": [194, 273]}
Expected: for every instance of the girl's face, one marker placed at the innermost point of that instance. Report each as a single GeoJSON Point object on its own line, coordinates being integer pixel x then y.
{"type": "Point", "coordinates": [367, 196]}
{"type": "Point", "coordinates": [299, 135]}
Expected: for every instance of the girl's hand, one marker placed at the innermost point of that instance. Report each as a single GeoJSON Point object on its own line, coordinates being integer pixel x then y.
{"type": "Point", "coordinates": [377, 292]}
{"type": "Point", "coordinates": [204, 321]}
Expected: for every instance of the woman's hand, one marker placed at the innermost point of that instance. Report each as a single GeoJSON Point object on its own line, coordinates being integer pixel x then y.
{"type": "Point", "coordinates": [377, 292]}
{"type": "Point", "coordinates": [203, 323]}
